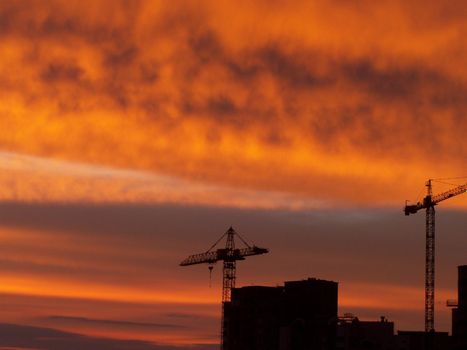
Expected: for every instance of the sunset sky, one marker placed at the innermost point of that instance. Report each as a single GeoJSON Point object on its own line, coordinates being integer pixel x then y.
{"type": "Point", "coordinates": [134, 133]}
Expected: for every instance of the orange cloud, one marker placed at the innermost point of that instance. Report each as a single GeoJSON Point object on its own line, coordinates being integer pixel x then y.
{"type": "Point", "coordinates": [34, 179]}
{"type": "Point", "coordinates": [265, 104]}
{"type": "Point", "coordinates": [46, 274]}
{"type": "Point", "coordinates": [357, 105]}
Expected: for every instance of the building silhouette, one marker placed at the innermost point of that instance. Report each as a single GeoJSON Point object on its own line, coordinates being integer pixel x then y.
{"type": "Point", "coordinates": [302, 315]}
{"type": "Point", "coordinates": [459, 314]}
{"type": "Point", "coordinates": [297, 316]}
{"type": "Point", "coordinates": [418, 340]}
{"type": "Point", "coordinates": [354, 334]}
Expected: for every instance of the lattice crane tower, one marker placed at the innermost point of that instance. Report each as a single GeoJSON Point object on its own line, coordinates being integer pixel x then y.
{"type": "Point", "coordinates": [229, 255]}
{"type": "Point", "coordinates": [429, 203]}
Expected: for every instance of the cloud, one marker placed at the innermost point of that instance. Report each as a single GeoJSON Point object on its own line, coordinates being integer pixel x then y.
{"type": "Point", "coordinates": [278, 97]}
{"type": "Point", "coordinates": [30, 337]}
{"type": "Point", "coordinates": [102, 317]}
{"type": "Point", "coordinates": [93, 321]}
{"type": "Point", "coordinates": [35, 179]}
{"type": "Point", "coordinates": [143, 124]}
{"type": "Point", "coordinates": [120, 262]}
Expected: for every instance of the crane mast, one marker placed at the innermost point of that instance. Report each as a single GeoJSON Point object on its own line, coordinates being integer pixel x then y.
{"type": "Point", "coordinates": [229, 255]}
{"type": "Point", "coordinates": [430, 262]}
{"type": "Point", "coordinates": [429, 203]}
{"type": "Point", "coordinates": [229, 268]}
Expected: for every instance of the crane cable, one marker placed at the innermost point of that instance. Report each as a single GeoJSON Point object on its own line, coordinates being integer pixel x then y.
{"type": "Point", "coordinates": [450, 178]}
{"type": "Point", "coordinates": [242, 239]}
{"type": "Point", "coordinates": [210, 267]}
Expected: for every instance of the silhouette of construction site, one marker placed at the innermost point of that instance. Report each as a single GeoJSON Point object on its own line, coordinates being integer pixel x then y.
{"type": "Point", "coordinates": [303, 315]}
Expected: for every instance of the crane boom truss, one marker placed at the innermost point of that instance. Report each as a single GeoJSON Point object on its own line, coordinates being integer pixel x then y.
{"type": "Point", "coordinates": [211, 257]}
{"type": "Point", "coordinates": [448, 194]}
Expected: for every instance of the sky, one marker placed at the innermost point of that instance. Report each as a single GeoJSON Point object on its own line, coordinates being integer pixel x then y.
{"type": "Point", "coordinates": [134, 133]}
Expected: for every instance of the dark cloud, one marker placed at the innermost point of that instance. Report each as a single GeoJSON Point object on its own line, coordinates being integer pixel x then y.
{"type": "Point", "coordinates": [317, 243]}
{"type": "Point", "coordinates": [196, 319]}
{"type": "Point", "coordinates": [394, 82]}
{"type": "Point", "coordinates": [149, 72]}
{"type": "Point", "coordinates": [344, 234]}
{"type": "Point", "coordinates": [121, 57]}
{"type": "Point", "coordinates": [308, 79]}
{"type": "Point", "coordinates": [67, 25]}
{"type": "Point", "coordinates": [61, 71]}
{"type": "Point", "coordinates": [7, 16]}
{"type": "Point", "coordinates": [178, 315]}
{"type": "Point", "coordinates": [92, 321]}
{"type": "Point", "coordinates": [399, 82]}
{"type": "Point", "coordinates": [389, 83]}
{"type": "Point", "coordinates": [221, 105]}
{"type": "Point", "coordinates": [296, 66]}
{"type": "Point", "coordinates": [298, 74]}
{"type": "Point", "coordinates": [205, 45]}
{"type": "Point", "coordinates": [12, 335]}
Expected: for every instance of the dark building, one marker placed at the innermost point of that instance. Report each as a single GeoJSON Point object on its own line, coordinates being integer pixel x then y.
{"type": "Point", "coordinates": [301, 315]}
{"type": "Point", "coordinates": [353, 334]}
{"type": "Point", "coordinates": [459, 314]}
{"type": "Point", "coordinates": [417, 340]}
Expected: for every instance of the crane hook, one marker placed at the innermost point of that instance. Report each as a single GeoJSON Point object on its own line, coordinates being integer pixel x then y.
{"type": "Point", "coordinates": [210, 267]}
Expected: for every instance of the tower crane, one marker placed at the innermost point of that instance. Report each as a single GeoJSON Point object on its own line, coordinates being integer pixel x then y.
{"type": "Point", "coordinates": [429, 203]}
{"type": "Point", "coordinates": [229, 255]}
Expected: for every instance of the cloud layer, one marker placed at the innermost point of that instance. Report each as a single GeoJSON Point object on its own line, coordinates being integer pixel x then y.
{"type": "Point", "coordinates": [128, 111]}
{"type": "Point", "coordinates": [30, 338]}
{"type": "Point", "coordinates": [359, 104]}
{"type": "Point", "coordinates": [109, 270]}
